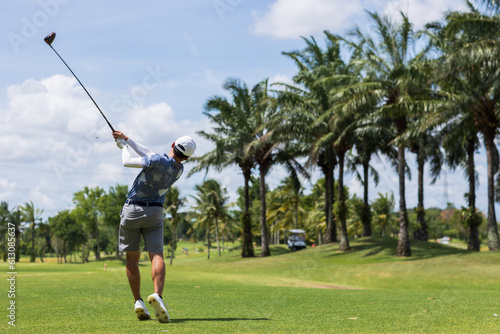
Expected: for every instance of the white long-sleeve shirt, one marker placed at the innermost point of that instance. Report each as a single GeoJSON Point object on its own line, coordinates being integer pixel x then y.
{"type": "Point", "coordinates": [141, 150]}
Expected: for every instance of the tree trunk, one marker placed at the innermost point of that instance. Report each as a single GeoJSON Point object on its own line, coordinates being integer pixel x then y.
{"type": "Point", "coordinates": [341, 214]}
{"type": "Point", "coordinates": [64, 251]}
{"type": "Point", "coordinates": [217, 235]}
{"type": "Point", "coordinates": [265, 251]}
{"type": "Point", "coordinates": [98, 249]}
{"type": "Point", "coordinates": [403, 248]}
{"type": "Point", "coordinates": [474, 244]}
{"type": "Point", "coordinates": [246, 238]}
{"type": "Point", "coordinates": [328, 166]}
{"type": "Point", "coordinates": [366, 215]}
{"type": "Point", "coordinates": [421, 233]}
{"type": "Point", "coordinates": [493, 240]}
{"type": "Point", "coordinates": [33, 256]}
{"type": "Point", "coordinates": [208, 241]}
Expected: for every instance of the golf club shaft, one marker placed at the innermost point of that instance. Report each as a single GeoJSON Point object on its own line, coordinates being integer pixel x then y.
{"type": "Point", "coordinates": [83, 88]}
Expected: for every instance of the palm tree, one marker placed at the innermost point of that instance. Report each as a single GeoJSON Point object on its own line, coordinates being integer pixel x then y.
{"type": "Point", "coordinates": [355, 207]}
{"type": "Point", "coordinates": [392, 68]}
{"type": "Point", "coordinates": [211, 207]}
{"type": "Point", "coordinates": [285, 204]}
{"type": "Point", "coordinates": [470, 66]}
{"type": "Point", "coordinates": [493, 5]}
{"type": "Point", "coordinates": [383, 207]}
{"type": "Point", "coordinates": [426, 148]}
{"type": "Point", "coordinates": [460, 143]}
{"type": "Point", "coordinates": [173, 203]}
{"type": "Point", "coordinates": [369, 141]}
{"type": "Point", "coordinates": [31, 215]}
{"type": "Point", "coordinates": [270, 146]}
{"type": "Point", "coordinates": [306, 103]}
{"type": "Point", "coordinates": [234, 128]}
{"type": "Point", "coordinates": [228, 229]}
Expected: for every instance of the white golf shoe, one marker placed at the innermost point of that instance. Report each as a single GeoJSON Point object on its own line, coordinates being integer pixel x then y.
{"type": "Point", "coordinates": [141, 310]}
{"type": "Point", "coordinates": [160, 309]}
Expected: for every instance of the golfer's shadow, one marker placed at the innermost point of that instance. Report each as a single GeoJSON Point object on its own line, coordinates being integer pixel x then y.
{"type": "Point", "coordinates": [216, 319]}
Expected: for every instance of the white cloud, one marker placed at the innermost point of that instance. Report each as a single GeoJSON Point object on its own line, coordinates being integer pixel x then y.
{"type": "Point", "coordinates": [6, 189]}
{"type": "Point", "coordinates": [287, 19]}
{"type": "Point", "coordinates": [290, 19]}
{"type": "Point", "coordinates": [53, 142]}
{"type": "Point", "coordinates": [421, 12]}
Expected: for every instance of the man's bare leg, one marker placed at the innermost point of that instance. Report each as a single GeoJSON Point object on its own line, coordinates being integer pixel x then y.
{"type": "Point", "coordinates": [133, 273]}
{"type": "Point", "coordinates": [157, 271]}
{"type": "Point", "coordinates": [158, 276]}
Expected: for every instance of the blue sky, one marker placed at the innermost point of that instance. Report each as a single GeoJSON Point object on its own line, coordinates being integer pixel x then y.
{"type": "Point", "coordinates": [151, 66]}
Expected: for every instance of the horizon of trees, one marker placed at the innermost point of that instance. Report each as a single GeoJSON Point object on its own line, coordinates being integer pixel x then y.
{"type": "Point", "coordinates": [386, 92]}
{"type": "Point", "coordinates": [71, 237]}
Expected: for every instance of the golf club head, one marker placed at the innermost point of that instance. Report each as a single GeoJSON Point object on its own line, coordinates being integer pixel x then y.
{"type": "Point", "coordinates": [50, 38]}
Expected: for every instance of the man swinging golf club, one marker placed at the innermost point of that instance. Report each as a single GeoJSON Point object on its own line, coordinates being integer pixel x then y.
{"type": "Point", "coordinates": [142, 214]}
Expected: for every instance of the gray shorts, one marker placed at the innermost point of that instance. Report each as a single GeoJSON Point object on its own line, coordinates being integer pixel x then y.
{"type": "Point", "coordinates": [139, 220]}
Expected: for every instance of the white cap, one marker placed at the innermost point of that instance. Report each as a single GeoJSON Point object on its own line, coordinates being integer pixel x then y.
{"type": "Point", "coordinates": [185, 145]}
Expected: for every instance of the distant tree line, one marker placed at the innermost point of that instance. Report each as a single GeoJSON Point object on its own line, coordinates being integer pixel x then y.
{"type": "Point", "coordinates": [434, 93]}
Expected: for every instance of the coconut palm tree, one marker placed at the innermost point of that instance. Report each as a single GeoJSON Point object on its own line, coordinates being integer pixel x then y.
{"type": "Point", "coordinates": [211, 208]}
{"type": "Point", "coordinates": [234, 126]}
{"type": "Point", "coordinates": [391, 68]}
{"type": "Point", "coordinates": [307, 105]}
{"type": "Point", "coordinates": [369, 141]}
{"type": "Point", "coordinates": [493, 5]}
{"type": "Point", "coordinates": [31, 215]}
{"type": "Point", "coordinates": [383, 212]}
{"type": "Point", "coordinates": [285, 204]}
{"type": "Point", "coordinates": [314, 216]}
{"type": "Point", "coordinates": [355, 206]}
{"type": "Point", "coordinates": [426, 148]}
{"type": "Point", "coordinates": [460, 143]}
{"type": "Point", "coordinates": [470, 66]}
{"type": "Point", "coordinates": [270, 146]}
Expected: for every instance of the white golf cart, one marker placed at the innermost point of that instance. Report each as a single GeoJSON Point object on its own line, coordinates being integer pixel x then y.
{"type": "Point", "coordinates": [296, 239]}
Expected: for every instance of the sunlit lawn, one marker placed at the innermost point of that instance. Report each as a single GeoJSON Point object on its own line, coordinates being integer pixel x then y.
{"type": "Point", "coordinates": [440, 289]}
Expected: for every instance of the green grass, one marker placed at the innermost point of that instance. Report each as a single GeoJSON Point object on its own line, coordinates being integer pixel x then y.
{"type": "Point", "coordinates": [440, 289]}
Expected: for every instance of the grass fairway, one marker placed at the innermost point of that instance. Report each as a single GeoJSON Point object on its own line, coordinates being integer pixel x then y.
{"type": "Point", "coordinates": [440, 289]}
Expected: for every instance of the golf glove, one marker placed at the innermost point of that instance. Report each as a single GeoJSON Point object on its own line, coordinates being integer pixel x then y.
{"type": "Point", "coordinates": [121, 143]}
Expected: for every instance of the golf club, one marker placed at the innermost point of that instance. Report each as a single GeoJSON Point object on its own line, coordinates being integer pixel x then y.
{"type": "Point", "coordinates": [49, 39]}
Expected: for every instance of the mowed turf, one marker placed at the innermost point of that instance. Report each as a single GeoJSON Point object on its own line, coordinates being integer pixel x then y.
{"type": "Point", "coordinates": [440, 289]}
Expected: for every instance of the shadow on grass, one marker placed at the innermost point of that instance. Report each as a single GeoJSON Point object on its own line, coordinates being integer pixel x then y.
{"type": "Point", "coordinates": [279, 250]}
{"type": "Point", "coordinates": [217, 319]}
{"type": "Point", "coordinates": [376, 246]}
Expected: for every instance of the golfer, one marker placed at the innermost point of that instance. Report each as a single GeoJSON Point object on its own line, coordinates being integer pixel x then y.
{"type": "Point", "coordinates": [142, 214]}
